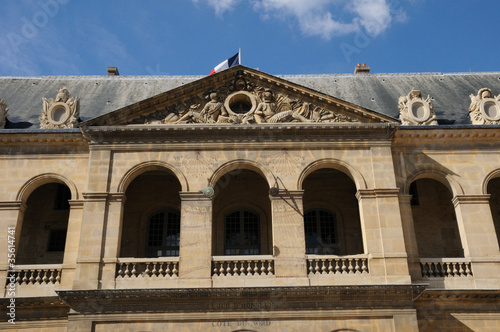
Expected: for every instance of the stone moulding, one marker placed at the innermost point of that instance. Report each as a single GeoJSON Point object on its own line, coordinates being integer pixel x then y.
{"type": "Point", "coordinates": [3, 113]}
{"type": "Point", "coordinates": [303, 132]}
{"type": "Point", "coordinates": [416, 111]}
{"type": "Point", "coordinates": [61, 112]}
{"type": "Point", "coordinates": [242, 299]}
{"type": "Point", "coordinates": [484, 108]}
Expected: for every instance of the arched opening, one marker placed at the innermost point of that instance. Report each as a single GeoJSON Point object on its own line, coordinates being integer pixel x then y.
{"type": "Point", "coordinates": [151, 216]}
{"type": "Point", "coordinates": [331, 220]}
{"type": "Point", "coordinates": [242, 215]}
{"type": "Point", "coordinates": [494, 191]}
{"type": "Point", "coordinates": [45, 225]}
{"type": "Point", "coordinates": [434, 220]}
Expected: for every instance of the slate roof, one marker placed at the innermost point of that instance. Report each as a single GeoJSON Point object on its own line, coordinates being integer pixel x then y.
{"type": "Point", "coordinates": [378, 92]}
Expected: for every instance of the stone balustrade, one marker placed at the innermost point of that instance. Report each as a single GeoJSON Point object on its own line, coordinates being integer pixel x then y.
{"type": "Point", "coordinates": [337, 265]}
{"type": "Point", "coordinates": [42, 274]}
{"type": "Point", "coordinates": [445, 267]}
{"type": "Point", "coordinates": [242, 266]}
{"type": "Point", "coordinates": [164, 267]}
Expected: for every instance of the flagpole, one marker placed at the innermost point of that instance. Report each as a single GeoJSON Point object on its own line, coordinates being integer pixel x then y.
{"type": "Point", "coordinates": [239, 55]}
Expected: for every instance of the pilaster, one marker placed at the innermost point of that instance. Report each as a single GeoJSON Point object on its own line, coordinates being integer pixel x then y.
{"type": "Point", "coordinates": [383, 237]}
{"type": "Point", "coordinates": [288, 234]}
{"type": "Point", "coordinates": [113, 231]}
{"type": "Point", "coordinates": [11, 215]}
{"type": "Point", "coordinates": [478, 235]}
{"type": "Point", "coordinates": [72, 241]}
{"type": "Point", "coordinates": [410, 236]}
{"type": "Point", "coordinates": [195, 252]}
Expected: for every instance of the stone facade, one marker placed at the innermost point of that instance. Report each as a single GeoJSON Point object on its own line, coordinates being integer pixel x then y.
{"type": "Point", "coordinates": [245, 202]}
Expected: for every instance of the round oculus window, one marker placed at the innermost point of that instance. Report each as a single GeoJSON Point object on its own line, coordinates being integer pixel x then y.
{"type": "Point", "coordinates": [490, 109]}
{"type": "Point", "coordinates": [419, 110]}
{"type": "Point", "coordinates": [240, 102]}
{"type": "Point", "coordinates": [59, 113]}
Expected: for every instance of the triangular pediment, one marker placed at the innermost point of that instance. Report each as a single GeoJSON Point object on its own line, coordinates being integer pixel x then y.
{"type": "Point", "coordinates": [239, 95]}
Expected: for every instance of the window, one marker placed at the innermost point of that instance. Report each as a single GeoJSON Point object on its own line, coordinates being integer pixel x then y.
{"type": "Point", "coordinates": [321, 232]}
{"type": "Point", "coordinates": [242, 236]}
{"type": "Point", "coordinates": [163, 234]}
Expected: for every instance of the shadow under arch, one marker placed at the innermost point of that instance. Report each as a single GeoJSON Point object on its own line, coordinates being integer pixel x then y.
{"type": "Point", "coordinates": [147, 166]}
{"type": "Point", "coordinates": [242, 164]}
{"type": "Point", "coordinates": [339, 165]}
{"type": "Point", "coordinates": [492, 175]}
{"type": "Point", "coordinates": [453, 186]}
{"type": "Point", "coordinates": [42, 179]}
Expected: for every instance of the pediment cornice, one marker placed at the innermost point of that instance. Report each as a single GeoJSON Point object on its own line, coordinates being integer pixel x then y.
{"type": "Point", "coordinates": [237, 96]}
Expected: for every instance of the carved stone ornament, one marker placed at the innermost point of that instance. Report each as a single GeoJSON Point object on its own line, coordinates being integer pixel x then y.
{"type": "Point", "coordinates": [61, 112]}
{"type": "Point", "coordinates": [3, 113]}
{"type": "Point", "coordinates": [242, 102]}
{"type": "Point", "coordinates": [484, 108]}
{"type": "Point", "coordinates": [416, 111]}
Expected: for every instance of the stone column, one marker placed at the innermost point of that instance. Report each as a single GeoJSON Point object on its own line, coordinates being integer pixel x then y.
{"type": "Point", "coordinates": [72, 240]}
{"type": "Point", "coordinates": [11, 215]}
{"type": "Point", "coordinates": [478, 236]}
{"type": "Point", "coordinates": [383, 237]}
{"type": "Point", "coordinates": [92, 234]}
{"type": "Point", "coordinates": [410, 237]}
{"type": "Point", "coordinates": [288, 234]}
{"type": "Point", "coordinates": [112, 242]}
{"type": "Point", "coordinates": [195, 252]}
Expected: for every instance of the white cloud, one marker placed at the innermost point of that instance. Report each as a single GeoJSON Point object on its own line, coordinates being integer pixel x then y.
{"type": "Point", "coordinates": [220, 6]}
{"type": "Point", "coordinates": [328, 18]}
{"type": "Point", "coordinates": [325, 18]}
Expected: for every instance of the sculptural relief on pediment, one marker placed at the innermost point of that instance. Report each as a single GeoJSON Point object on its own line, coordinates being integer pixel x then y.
{"type": "Point", "coordinates": [484, 108]}
{"type": "Point", "coordinates": [242, 102]}
{"type": "Point", "coordinates": [61, 112]}
{"type": "Point", "coordinates": [414, 110]}
{"type": "Point", "coordinates": [3, 113]}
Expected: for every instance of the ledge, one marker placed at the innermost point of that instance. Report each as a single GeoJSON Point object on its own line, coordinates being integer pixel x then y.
{"type": "Point", "coordinates": [242, 299]}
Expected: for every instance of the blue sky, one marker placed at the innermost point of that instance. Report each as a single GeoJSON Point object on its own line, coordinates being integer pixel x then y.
{"type": "Point", "coordinates": [190, 37]}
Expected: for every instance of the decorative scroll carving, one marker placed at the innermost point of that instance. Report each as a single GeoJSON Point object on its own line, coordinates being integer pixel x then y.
{"type": "Point", "coordinates": [414, 110]}
{"type": "Point", "coordinates": [61, 112]}
{"type": "Point", "coordinates": [3, 113]}
{"type": "Point", "coordinates": [241, 102]}
{"type": "Point", "coordinates": [484, 108]}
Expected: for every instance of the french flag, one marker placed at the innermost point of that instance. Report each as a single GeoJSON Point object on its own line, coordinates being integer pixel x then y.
{"type": "Point", "coordinates": [226, 64]}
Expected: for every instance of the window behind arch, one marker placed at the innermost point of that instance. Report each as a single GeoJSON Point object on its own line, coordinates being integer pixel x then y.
{"type": "Point", "coordinates": [321, 232]}
{"type": "Point", "coordinates": [163, 234]}
{"type": "Point", "coordinates": [242, 235]}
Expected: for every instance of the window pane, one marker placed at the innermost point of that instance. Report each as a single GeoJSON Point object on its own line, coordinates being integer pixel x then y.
{"type": "Point", "coordinates": [164, 234]}
{"type": "Point", "coordinates": [242, 233]}
{"type": "Point", "coordinates": [320, 232]}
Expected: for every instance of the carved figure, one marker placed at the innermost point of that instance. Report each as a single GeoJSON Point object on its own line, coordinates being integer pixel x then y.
{"type": "Point", "coordinates": [266, 109]}
{"type": "Point", "coordinates": [61, 112]}
{"type": "Point", "coordinates": [414, 110]}
{"type": "Point", "coordinates": [484, 108]}
{"type": "Point", "coordinates": [3, 113]}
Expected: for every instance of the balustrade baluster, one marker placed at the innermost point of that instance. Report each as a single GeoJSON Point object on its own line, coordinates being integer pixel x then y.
{"type": "Point", "coordinates": [147, 272]}
{"type": "Point", "coordinates": [461, 269]}
{"type": "Point", "coordinates": [221, 269]}
{"type": "Point", "coordinates": [236, 270]}
{"type": "Point", "coordinates": [242, 268]}
{"type": "Point", "coordinates": [330, 266]}
{"type": "Point", "coordinates": [337, 266]}
{"type": "Point", "coordinates": [455, 271]}
{"type": "Point", "coordinates": [316, 266]}
{"type": "Point", "coordinates": [262, 268]}
{"type": "Point", "coordinates": [357, 269]}
{"type": "Point", "coordinates": [134, 271]}
{"type": "Point", "coordinates": [468, 272]}
{"type": "Point", "coordinates": [364, 267]}
{"type": "Point", "coordinates": [344, 267]}
{"type": "Point", "coordinates": [45, 278]}
{"type": "Point", "coordinates": [154, 271]}
{"type": "Point", "coordinates": [175, 270]}
{"type": "Point", "coordinates": [249, 268]}
{"type": "Point", "coordinates": [350, 268]}
{"type": "Point", "coordinates": [228, 269]}
{"type": "Point", "coordinates": [323, 266]}
{"type": "Point", "coordinates": [256, 267]}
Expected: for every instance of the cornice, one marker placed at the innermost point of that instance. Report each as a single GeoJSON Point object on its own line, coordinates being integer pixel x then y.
{"type": "Point", "coordinates": [242, 299]}
{"type": "Point", "coordinates": [36, 137]}
{"type": "Point", "coordinates": [256, 133]}
{"type": "Point", "coordinates": [418, 134]}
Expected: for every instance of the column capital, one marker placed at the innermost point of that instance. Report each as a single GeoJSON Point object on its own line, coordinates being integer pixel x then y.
{"type": "Point", "coordinates": [76, 203]}
{"type": "Point", "coordinates": [377, 192]}
{"type": "Point", "coordinates": [283, 193]}
{"type": "Point", "coordinates": [193, 196]}
{"type": "Point", "coordinates": [12, 205]}
{"type": "Point", "coordinates": [95, 196]}
{"type": "Point", "coordinates": [471, 199]}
